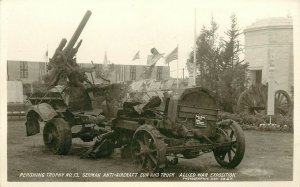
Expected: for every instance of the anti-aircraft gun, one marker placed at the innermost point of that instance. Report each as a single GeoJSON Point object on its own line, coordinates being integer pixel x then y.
{"type": "Point", "coordinates": [77, 102]}
{"type": "Point", "coordinates": [63, 60]}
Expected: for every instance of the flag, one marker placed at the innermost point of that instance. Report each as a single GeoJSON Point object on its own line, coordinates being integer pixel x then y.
{"type": "Point", "coordinates": [152, 59]}
{"type": "Point", "coordinates": [136, 56]}
{"type": "Point", "coordinates": [172, 56]}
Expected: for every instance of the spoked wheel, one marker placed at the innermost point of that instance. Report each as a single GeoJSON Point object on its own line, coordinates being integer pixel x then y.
{"type": "Point", "coordinates": [232, 152]}
{"type": "Point", "coordinates": [148, 149]}
{"type": "Point", "coordinates": [57, 136]}
{"type": "Point", "coordinates": [251, 102]}
{"type": "Point", "coordinates": [282, 103]}
{"type": "Point", "coordinates": [254, 100]}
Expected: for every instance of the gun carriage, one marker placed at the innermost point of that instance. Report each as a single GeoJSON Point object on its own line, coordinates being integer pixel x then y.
{"type": "Point", "coordinates": [181, 124]}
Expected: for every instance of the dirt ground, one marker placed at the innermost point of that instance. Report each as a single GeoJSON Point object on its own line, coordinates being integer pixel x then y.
{"type": "Point", "coordinates": [268, 157]}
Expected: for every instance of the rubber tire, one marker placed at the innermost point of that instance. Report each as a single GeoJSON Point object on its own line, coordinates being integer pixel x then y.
{"type": "Point", "coordinates": [64, 136]}
{"type": "Point", "coordinates": [240, 137]}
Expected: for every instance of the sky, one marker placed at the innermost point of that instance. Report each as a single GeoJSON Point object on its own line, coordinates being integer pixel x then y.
{"type": "Point", "coordinates": [121, 28]}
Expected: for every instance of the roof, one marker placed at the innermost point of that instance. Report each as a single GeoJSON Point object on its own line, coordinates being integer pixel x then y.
{"type": "Point", "coordinates": [270, 23]}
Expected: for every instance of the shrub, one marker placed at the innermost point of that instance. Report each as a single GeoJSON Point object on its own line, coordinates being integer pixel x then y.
{"type": "Point", "coordinates": [260, 121]}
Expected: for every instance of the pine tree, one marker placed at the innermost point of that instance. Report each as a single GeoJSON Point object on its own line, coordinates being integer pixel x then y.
{"type": "Point", "coordinates": [207, 55]}
{"type": "Point", "coordinates": [233, 69]}
{"type": "Point", "coordinates": [219, 67]}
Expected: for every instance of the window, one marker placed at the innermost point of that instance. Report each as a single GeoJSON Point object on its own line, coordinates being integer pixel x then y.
{"type": "Point", "coordinates": [258, 76]}
{"type": "Point", "coordinates": [132, 72]}
{"type": "Point", "coordinates": [159, 73]}
{"type": "Point", "coordinates": [23, 69]}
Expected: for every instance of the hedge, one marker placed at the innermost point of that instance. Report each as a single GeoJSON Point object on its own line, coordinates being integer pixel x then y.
{"type": "Point", "coordinates": [260, 121]}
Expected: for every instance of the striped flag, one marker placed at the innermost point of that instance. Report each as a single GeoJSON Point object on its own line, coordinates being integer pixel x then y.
{"type": "Point", "coordinates": [136, 56]}
{"type": "Point", "coordinates": [172, 56]}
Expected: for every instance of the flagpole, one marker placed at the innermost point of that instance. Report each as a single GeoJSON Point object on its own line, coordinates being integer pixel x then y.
{"type": "Point", "coordinates": [47, 60]}
{"type": "Point", "coordinates": [177, 65]}
{"type": "Point", "coordinates": [194, 69]}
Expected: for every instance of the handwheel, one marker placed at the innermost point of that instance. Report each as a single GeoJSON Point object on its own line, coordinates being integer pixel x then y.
{"type": "Point", "coordinates": [232, 152]}
{"type": "Point", "coordinates": [57, 136]}
{"type": "Point", "coordinates": [148, 149]}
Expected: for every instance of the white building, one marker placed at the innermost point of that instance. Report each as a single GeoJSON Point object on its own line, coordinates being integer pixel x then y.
{"type": "Point", "coordinates": [270, 41]}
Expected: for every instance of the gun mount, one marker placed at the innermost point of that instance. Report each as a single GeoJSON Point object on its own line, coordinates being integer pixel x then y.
{"type": "Point", "coordinates": [73, 103]}
{"type": "Point", "coordinates": [64, 61]}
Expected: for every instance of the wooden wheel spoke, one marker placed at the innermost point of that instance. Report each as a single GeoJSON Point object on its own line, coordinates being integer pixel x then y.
{"type": "Point", "coordinates": [280, 97]}
{"type": "Point", "coordinates": [140, 143]}
{"type": "Point", "coordinates": [151, 151]}
{"type": "Point", "coordinates": [229, 156]}
{"type": "Point", "coordinates": [249, 101]}
{"type": "Point", "coordinates": [281, 105]}
{"type": "Point", "coordinates": [146, 139]}
{"type": "Point", "coordinates": [277, 97]}
{"type": "Point", "coordinates": [153, 159]}
{"type": "Point", "coordinates": [231, 134]}
{"type": "Point", "coordinates": [234, 143]}
{"type": "Point", "coordinates": [233, 150]}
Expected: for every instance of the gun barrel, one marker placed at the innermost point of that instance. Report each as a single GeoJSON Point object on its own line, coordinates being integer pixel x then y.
{"type": "Point", "coordinates": [60, 47]}
{"type": "Point", "coordinates": [70, 45]}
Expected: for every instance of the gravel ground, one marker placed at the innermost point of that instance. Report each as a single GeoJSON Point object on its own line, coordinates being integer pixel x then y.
{"type": "Point", "coordinates": [268, 157]}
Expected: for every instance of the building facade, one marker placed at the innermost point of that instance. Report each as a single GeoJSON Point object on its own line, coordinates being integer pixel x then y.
{"type": "Point", "coordinates": [30, 72]}
{"type": "Point", "coordinates": [269, 42]}
{"type": "Point", "coordinates": [27, 72]}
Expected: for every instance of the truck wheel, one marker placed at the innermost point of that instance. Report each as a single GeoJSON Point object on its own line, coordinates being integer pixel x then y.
{"type": "Point", "coordinates": [148, 149]}
{"type": "Point", "coordinates": [57, 136]}
{"type": "Point", "coordinates": [231, 134]}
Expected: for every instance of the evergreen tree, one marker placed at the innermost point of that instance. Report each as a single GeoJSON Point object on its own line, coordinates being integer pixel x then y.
{"type": "Point", "coordinates": [207, 55]}
{"type": "Point", "coordinates": [219, 67]}
{"type": "Point", "coordinates": [233, 76]}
